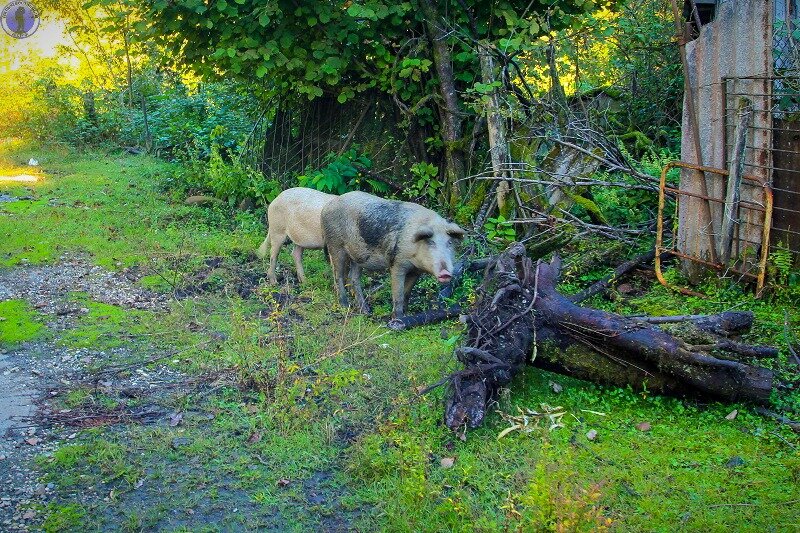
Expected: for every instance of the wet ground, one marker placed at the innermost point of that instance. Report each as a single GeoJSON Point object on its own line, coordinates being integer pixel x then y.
{"type": "Point", "coordinates": [36, 371]}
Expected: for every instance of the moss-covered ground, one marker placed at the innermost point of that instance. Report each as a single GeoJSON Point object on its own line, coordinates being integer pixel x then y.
{"type": "Point", "coordinates": [321, 428]}
{"type": "Point", "coordinates": [18, 323]}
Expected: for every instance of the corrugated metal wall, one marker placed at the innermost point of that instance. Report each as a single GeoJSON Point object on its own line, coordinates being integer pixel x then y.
{"type": "Point", "coordinates": [736, 45]}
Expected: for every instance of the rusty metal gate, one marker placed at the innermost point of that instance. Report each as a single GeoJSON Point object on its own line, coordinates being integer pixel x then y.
{"type": "Point", "coordinates": [742, 69]}
{"type": "Point", "coordinates": [751, 257]}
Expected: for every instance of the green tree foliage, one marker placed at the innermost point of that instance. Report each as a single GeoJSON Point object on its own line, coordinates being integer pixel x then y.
{"type": "Point", "coordinates": [313, 47]}
{"type": "Point", "coordinates": [421, 54]}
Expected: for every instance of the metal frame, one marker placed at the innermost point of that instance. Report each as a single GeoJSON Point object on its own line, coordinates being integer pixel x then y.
{"type": "Point", "coordinates": [766, 209]}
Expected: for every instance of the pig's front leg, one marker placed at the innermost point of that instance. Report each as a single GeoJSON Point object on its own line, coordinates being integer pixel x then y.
{"type": "Point", "coordinates": [398, 290]}
{"type": "Point", "coordinates": [411, 278]}
{"type": "Point", "coordinates": [340, 264]}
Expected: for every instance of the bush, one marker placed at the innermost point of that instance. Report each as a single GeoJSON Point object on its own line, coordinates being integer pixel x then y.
{"type": "Point", "coordinates": [39, 104]}
{"type": "Point", "coordinates": [52, 102]}
{"type": "Point", "coordinates": [180, 119]}
{"type": "Point", "coordinates": [342, 173]}
{"type": "Point", "coordinates": [222, 176]}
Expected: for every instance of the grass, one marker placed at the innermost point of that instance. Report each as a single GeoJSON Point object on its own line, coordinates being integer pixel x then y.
{"type": "Point", "coordinates": [323, 428]}
{"type": "Point", "coordinates": [109, 206]}
{"type": "Point", "coordinates": [106, 326]}
{"type": "Point", "coordinates": [18, 323]}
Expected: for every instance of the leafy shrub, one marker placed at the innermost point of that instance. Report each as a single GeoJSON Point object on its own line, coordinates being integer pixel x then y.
{"type": "Point", "coordinates": [783, 273]}
{"type": "Point", "coordinates": [180, 118]}
{"type": "Point", "coordinates": [222, 176]}
{"type": "Point", "coordinates": [425, 183]}
{"type": "Point", "coordinates": [50, 101]}
{"type": "Point", "coordinates": [627, 207]}
{"type": "Point", "coordinates": [39, 104]}
{"type": "Point", "coordinates": [341, 173]}
{"type": "Point", "coordinates": [499, 230]}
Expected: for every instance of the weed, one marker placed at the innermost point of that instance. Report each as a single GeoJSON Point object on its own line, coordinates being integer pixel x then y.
{"type": "Point", "coordinates": [549, 506]}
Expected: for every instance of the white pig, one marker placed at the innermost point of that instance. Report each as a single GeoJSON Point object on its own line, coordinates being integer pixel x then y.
{"type": "Point", "coordinates": [295, 214]}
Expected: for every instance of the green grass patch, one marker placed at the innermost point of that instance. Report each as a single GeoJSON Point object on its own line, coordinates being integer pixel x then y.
{"type": "Point", "coordinates": [63, 517]}
{"type": "Point", "coordinates": [106, 326]}
{"type": "Point", "coordinates": [111, 206]}
{"type": "Point", "coordinates": [158, 282]}
{"type": "Point", "coordinates": [18, 323]}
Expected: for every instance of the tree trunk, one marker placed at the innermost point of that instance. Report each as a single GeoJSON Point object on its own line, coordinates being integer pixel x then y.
{"type": "Point", "coordinates": [128, 64]}
{"type": "Point", "coordinates": [89, 108]}
{"type": "Point", "coordinates": [498, 145]}
{"type": "Point", "coordinates": [557, 93]}
{"type": "Point", "coordinates": [520, 317]}
{"type": "Point", "coordinates": [450, 109]}
{"type": "Point", "coordinates": [148, 138]}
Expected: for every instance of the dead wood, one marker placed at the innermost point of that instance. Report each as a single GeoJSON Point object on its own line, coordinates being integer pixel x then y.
{"type": "Point", "coordinates": [791, 340]}
{"type": "Point", "coordinates": [794, 425]}
{"type": "Point", "coordinates": [431, 316]}
{"type": "Point", "coordinates": [518, 306]}
{"type": "Point", "coordinates": [605, 283]}
{"type": "Point", "coordinates": [725, 324]}
{"type": "Point", "coordinates": [444, 311]}
{"type": "Point", "coordinates": [730, 217]}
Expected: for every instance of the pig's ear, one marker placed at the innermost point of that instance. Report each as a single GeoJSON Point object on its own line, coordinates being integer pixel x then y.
{"type": "Point", "coordinates": [455, 231]}
{"type": "Point", "coordinates": [423, 233]}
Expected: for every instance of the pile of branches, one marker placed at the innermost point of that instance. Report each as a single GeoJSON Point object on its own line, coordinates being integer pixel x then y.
{"type": "Point", "coordinates": [521, 318]}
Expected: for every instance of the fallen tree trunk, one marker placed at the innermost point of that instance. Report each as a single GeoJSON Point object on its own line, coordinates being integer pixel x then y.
{"type": "Point", "coordinates": [520, 317]}
{"type": "Point", "coordinates": [431, 316]}
{"type": "Point", "coordinates": [604, 284]}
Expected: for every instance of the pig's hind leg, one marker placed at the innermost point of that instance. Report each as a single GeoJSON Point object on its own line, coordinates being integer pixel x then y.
{"type": "Point", "coordinates": [355, 281]}
{"type": "Point", "coordinates": [276, 241]}
{"type": "Point", "coordinates": [297, 254]}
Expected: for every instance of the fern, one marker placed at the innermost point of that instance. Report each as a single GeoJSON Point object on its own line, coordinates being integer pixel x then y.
{"type": "Point", "coordinates": [781, 260]}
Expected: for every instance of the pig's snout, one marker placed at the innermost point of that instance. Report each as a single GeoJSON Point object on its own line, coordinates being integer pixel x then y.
{"type": "Point", "coordinates": [443, 273]}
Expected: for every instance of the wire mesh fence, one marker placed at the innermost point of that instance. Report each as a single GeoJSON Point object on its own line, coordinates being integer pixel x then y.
{"type": "Point", "coordinates": [291, 138]}
{"type": "Point", "coordinates": [773, 149]}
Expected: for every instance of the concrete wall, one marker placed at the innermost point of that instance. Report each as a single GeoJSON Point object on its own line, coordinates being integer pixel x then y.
{"type": "Point", "coordinates": [737, 44]}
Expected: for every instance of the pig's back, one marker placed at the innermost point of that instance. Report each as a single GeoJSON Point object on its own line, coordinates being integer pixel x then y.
{"type": "Point", "coordinates": [305, 198]}
{"type": "Point", "coordinates": [298, 210]}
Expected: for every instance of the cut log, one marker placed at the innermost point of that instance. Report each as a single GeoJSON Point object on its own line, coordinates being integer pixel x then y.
{"type": "Point", "coordinates": [518, 307]}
